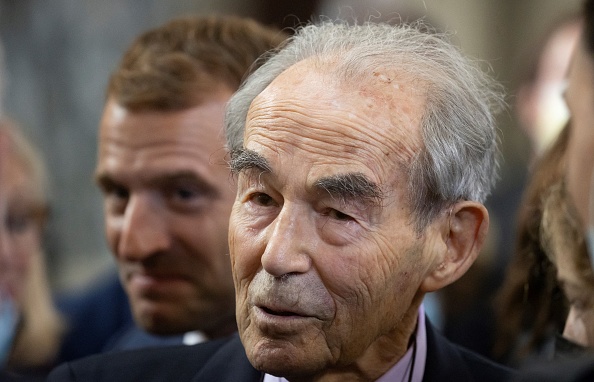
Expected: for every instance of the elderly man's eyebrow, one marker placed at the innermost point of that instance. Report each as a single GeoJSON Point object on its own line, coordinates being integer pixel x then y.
{"type": "Point", "coordinates": [351, 187]}
{"type": "Point", "coordinates": [244, 159]}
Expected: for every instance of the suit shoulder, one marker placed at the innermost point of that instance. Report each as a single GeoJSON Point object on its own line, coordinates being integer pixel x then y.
{"type": "Point", "coordinates": [152, 364]}
{"type": "Point", "coordinates": [485, 368]}
{"type": "Point", "coordinates": [445, 358]}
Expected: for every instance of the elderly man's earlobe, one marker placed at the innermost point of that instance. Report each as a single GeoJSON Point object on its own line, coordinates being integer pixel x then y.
{"type": "Point", "coordinates": [464, 232]}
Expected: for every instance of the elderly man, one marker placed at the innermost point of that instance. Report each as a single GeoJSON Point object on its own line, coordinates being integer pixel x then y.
{"type": "Point", "coordinates": [167, 198]}
{"type": "Point", "coordinates": [363, 155]}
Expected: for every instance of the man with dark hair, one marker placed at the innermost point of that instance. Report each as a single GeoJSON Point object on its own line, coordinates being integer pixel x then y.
{"type": "Point", "coordinates": [161, 168]}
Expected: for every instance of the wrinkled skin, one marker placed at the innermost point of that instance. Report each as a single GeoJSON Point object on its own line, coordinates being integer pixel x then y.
{"type": "Point", "coordinates": [328, 282]}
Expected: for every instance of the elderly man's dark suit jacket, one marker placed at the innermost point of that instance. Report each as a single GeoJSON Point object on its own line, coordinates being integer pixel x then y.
{"type": "Point", "coordinates": [225, 361]}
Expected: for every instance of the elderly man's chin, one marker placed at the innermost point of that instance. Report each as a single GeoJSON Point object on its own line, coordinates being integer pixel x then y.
{"type": "Point", "coordinates": [287, 357]}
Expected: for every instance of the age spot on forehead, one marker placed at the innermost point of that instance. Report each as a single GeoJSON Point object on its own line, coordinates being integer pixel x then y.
{"type": "Point", "coordinates": [402, 100]}
{"type": "Point", "coordinates": [383, 78]}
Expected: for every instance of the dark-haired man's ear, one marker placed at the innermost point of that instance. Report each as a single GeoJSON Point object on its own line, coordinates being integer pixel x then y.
{"type": "Point", "coordinates": [462, 237]}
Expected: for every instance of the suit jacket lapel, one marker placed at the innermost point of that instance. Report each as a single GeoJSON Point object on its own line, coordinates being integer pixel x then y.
{"type": "Point", "coordinates": [443, 359]}
{"type": "Point", "coordinates": [229, 364]}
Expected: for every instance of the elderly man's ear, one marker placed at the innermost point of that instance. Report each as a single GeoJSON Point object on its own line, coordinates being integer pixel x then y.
{"type": "Point", "coordinates": [460, 237]}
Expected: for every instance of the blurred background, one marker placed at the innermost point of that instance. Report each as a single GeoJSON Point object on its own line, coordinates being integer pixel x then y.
{"type": "Point", "coordinates": [58, 55]}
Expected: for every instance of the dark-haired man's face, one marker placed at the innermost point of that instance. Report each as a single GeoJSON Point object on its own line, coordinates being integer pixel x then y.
{"type": "Point", "coordinates": [167, 199]}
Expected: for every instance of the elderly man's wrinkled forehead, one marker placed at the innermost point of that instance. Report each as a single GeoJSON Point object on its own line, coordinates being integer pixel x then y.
{"type": "Point", "coordinates": [389, 97]}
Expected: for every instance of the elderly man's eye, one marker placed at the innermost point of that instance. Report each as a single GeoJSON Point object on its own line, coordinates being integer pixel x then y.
{"type": "Point", "coordinates": [337, 215]}
{"type": "Point", "coordinates": [262, 199]}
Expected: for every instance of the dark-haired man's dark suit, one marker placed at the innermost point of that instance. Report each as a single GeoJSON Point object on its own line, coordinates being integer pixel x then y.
{"type": "Point", "coordinates": [225, 361]}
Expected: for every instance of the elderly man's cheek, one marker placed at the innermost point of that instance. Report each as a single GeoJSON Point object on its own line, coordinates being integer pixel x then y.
{"type": "Point", "coordinates": [246, 248]}
{"type": "Point", "coordinates": [354, 303]}
{"type": "Point", "coordinates": [339, 233]}
{"type": "Point", "coordinates": [242, 312]}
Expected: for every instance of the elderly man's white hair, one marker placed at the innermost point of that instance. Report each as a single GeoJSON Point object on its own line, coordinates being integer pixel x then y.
{"type": "Point", "coordinates": [459, 157]}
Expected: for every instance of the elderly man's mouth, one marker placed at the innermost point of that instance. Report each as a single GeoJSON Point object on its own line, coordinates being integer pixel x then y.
{"type": "Point", "coordinates": [280, 322]}
{"type": "Point", "coordinates": [283, 313]}
{"type": "Point", "coordinates": [270, 314]}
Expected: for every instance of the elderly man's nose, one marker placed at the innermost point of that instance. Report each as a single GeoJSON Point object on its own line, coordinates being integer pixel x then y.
{"type": "Point", "coordinates": [143, 232]}
{"type": "Point", "coordinates": [287, 244]}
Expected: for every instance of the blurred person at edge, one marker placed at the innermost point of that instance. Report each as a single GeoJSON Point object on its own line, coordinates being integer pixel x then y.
{"type": "Point", "coordinates": [539, 105]}
{"type": "Point", "coordinates": [564, 244]}
{"type": "Point", "coordinates": [579, 97]}
{"type": "Point", "coordinates": [530, 307]}
{"type": "Point", "coordinates": [563, 240]}
{"type": "Point", "coordinates": [163, 174]}
{"type": "Point", "coordinates": [30, 327]}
